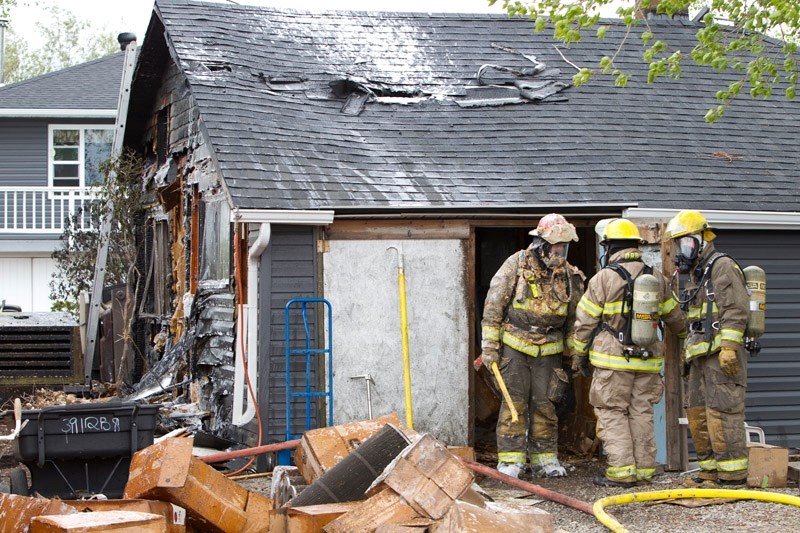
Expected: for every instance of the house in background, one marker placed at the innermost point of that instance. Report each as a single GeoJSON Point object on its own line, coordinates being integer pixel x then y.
{"type": "Point", "coordinates": [296, 154]}
{"type": "Point", "coordinates": [55, 130]}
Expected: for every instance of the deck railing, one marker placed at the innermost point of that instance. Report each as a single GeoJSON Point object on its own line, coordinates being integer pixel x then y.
{"type": "Point", "coordinates": [43, 209]}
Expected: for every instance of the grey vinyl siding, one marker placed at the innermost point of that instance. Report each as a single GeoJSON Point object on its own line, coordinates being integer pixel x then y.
{"type": "Point", "coordinates": [773, 383]}
{"type": "Point", "coordinates": [288, 270]}
{"type": "Point", "coordinates": [23, 152]}
{"type": "Point", "coordinates": [23, 149]}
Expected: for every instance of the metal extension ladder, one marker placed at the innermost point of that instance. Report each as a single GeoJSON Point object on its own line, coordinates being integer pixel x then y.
{"type": "Point", "coordinates": [307, 351]}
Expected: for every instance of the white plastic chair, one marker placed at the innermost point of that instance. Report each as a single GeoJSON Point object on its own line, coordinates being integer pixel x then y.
{"type": "Point", "coordinates": [756, 431]}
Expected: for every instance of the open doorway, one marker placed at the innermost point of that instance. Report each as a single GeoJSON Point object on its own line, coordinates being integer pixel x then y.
{"type": "Point", "coordinates": [493, 245]}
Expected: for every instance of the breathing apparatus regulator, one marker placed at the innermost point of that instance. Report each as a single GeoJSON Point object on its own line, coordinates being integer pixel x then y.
{"type": "Point", "coordinates": [690, 231]}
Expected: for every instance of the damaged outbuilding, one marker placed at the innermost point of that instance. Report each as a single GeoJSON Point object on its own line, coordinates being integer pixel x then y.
{"type": "Point", "coordinates": [290, 155]}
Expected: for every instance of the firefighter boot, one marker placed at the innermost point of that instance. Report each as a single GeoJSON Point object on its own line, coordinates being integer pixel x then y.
{"type": "Point", "coordinates": [547, 465]}
{"type": "Point", "coordinates": [510, 469]}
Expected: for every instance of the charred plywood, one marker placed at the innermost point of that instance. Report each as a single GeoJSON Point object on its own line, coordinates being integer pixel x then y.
{"type": "Point", "coordinates": [214, 357]}
{"type": "Point", "coordinates": [190, 328]}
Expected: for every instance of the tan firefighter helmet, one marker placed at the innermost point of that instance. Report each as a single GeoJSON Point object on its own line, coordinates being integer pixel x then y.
{"type": "Point", "coordinates": [554, 228]}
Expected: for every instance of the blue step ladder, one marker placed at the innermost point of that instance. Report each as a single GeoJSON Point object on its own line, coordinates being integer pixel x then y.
{"type": "Point", "coordinates": [308, 353]}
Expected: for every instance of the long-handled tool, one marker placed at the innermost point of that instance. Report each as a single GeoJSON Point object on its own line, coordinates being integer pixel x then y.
{"type": "Point", "coordinates": [504, 390]}
{"type": "Point", "coordinates": [401, 283]}
{"type": "Point", "coordinates": [367, 378]}
{"type": "Point", "coordinates": [18, 424]}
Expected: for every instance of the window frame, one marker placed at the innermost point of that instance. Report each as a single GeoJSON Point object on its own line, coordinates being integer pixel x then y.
{"type": "Point", "coordinates": [51, 161]}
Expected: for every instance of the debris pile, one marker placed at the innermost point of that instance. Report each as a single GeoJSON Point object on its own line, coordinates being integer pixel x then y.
{"type": "Point", "coordinates": [374, 475]}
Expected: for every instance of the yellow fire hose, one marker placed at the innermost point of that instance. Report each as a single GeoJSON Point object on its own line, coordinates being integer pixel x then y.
{"type": "Point", "coordinates": [636, 497]}
{"type": "Point", "coordinates": [401, 286]}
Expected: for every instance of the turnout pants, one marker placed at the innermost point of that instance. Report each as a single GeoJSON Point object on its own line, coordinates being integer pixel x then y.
{"type": "Point", "coordinates": [715, 408]}
{"type": "Point", "coordinates": [623, 402]}
{"type": "Point", "coordinates": [535, 433]}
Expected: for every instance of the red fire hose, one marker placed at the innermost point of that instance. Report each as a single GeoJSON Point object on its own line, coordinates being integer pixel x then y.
{"type": "Point", "coordinates": [248, 452]}
{"type": "Point", "coordinates": [580, 505]}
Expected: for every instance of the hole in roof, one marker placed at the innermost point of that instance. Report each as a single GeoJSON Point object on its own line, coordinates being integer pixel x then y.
{"type": "Point", "coordinates": [344, 87]}
{"type": "Point", "coordinates": [217, 67]}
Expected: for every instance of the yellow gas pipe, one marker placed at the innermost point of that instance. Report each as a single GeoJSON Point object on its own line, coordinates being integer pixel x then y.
{"type": "Point", "coordinates": [635, 497]}
{"type": "Point", "coordinates": [401, 287]}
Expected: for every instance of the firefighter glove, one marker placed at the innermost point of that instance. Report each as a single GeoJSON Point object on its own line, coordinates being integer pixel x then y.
{"type": "Point", "coordinates": [728, 362]}
{"type": "Point", "coordinates": [580, 363]}
{"type": "Point", "coordinates": [490, 356]}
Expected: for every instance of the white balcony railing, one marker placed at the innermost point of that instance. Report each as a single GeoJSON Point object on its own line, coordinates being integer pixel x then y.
{"type": "Point", "coordinates": [43, 209]}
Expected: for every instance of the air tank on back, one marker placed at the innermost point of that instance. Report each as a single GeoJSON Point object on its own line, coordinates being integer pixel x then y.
{"type": "Point", "coordinates": [756, 280]}
{"type": "Point", "coordinates": [644, 317]}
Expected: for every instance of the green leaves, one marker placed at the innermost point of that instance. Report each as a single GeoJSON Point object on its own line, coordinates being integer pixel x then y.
{"type": "Point", "coordinates": [67, 41]}
{"type": "Point", "coordinates": [759, 39]}
{"type": "Point", "coordinates": [5, 6]}
{"type": "Point", "coordinates": [583, 76]}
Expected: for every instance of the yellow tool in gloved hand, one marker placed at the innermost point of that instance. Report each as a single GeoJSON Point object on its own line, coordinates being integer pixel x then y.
{"type": "Point", "coordinates": [504, 390]}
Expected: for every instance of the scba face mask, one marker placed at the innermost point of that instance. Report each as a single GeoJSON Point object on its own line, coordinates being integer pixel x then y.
{"type": "Point", "coordinates": [552, 255]}
{"type": "Point", "coordinates": [688, 250]}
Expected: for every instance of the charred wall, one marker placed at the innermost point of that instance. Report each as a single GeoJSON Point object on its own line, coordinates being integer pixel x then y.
{"type": "Point", "coordinates": [186, 311]}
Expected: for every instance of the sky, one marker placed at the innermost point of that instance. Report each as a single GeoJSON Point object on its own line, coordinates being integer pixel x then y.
{"type": "Point", "coordinates": [133, 15]}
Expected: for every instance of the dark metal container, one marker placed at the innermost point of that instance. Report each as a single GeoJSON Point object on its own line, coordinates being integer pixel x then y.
{"type": "Point", "coordinates": [80, 450]}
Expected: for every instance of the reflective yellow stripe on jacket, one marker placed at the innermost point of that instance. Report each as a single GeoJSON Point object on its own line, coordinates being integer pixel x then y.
{"type": "Point", "coordinates": [535, 350]}
{"type": "Point", "coordinates": [491, 333]}
{"type": "Point", "coordinates": [614, 361]}
{"type": "Point", "coordinates": [704, 347]}
{"type": "Point", "coordinates": [618, 362]}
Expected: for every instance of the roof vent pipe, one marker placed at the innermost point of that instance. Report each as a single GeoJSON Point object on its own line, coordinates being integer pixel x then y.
{"type": "Point", "coordinates": [124, 38]}
{"type": "Point", "coordinates": [3, 24]}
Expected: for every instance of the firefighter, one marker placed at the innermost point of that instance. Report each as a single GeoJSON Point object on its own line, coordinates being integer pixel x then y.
{"type": "Point", "coordinates": [627, 357]}
{"type": "Point", "coordinates": [716, 302]}
{"type": "Point", "coordinates": [527, 325]}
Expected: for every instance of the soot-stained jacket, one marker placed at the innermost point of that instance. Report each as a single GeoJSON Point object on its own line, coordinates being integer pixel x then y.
{"type": "Point", "coordinates": [530, 307]}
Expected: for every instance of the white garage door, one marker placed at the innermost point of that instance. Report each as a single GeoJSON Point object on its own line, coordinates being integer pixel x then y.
{"type": "Point", "coordinates": [26, 282]}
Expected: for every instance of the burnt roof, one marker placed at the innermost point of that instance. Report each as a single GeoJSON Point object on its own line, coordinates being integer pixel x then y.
{"type": "Point", "coordinates": [344, 110]}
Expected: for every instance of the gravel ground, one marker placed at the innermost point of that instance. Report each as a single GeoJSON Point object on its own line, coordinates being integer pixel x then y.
{"type": "Point", "coordinates": [652, 517]}
{"type": "Point", "coordinates": [727, 515]}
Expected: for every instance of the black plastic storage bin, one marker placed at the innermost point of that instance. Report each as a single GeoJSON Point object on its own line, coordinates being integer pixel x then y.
{"type": "Point", "coordinates": [81, 450]}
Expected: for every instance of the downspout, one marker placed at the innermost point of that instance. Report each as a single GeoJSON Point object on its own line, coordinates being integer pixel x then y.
{"type": "Point", "coordinates": [248, 316]}
{"type": "Point", "coordinates": [248, 313]}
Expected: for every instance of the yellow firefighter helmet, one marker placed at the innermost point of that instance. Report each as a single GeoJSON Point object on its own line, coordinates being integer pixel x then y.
{"type": "Point", "coordinates": [688, 222]}
{"type": "Point", "coordinates": [617, 228]}
{"type": "Point", "coordinates": [554, 228]}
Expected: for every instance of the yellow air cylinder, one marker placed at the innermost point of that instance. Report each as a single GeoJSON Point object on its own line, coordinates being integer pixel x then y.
{"type": "Point", "coordinates": [644, 317]}
{"type": "Point", "coordinates": [756, 280]}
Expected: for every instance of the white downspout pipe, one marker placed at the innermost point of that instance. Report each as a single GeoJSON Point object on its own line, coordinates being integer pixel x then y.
{"type": "Point", "coordinates": [248, 328]}
{"type": "Point", "coordinates": [247, 323]}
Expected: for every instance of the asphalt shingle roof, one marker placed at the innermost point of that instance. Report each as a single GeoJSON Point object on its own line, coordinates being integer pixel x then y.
{"type": "Point", "coordinates": [90, 85]}
{"type": "Point", "coordinates": [261, 79]}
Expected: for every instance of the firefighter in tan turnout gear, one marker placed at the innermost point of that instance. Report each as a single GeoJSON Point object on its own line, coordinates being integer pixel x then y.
{"type": "Point", "coordinates": [617, 330]}
{"type": "Point", "coordinates": [716, 302]}
{"type": "Point", "coordinates": [527, 325]}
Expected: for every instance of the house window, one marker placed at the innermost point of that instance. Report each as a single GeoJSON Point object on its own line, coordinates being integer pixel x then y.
{"type": "Point", "coordinates": [76, 153]}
